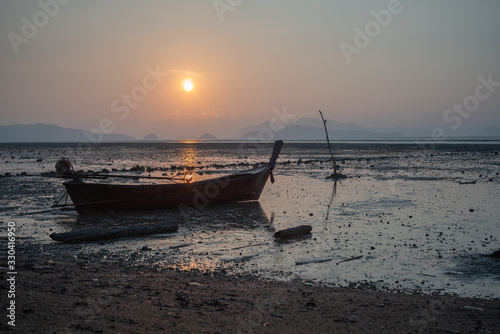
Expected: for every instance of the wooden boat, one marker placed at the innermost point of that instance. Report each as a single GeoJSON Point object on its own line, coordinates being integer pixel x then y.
{"type": "Point", "coordinates": [91, 197]}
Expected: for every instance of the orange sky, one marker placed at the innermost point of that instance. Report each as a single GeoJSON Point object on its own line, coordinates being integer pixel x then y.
{"type": "Point", "coordinates": [126, 61]}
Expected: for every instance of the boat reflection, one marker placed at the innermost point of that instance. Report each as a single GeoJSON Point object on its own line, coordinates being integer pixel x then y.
{"type": "Point", "coordinates": [245, 215]}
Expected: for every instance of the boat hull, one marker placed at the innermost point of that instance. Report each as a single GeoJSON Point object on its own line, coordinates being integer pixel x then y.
{"type": "Point", "coordinates": [98, 197]}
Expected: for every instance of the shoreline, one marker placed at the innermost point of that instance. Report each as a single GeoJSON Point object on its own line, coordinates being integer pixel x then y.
{"type": "Point", "coordinates": [68, 297]}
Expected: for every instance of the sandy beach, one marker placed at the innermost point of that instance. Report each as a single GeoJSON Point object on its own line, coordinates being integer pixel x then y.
{"type": "Point", "coordinates": [79, 297]}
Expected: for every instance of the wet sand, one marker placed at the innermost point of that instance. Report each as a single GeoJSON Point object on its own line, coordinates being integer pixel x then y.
{"type": "Point", "coordinates": [78, 297]}
{"type": "Point", "coordinates": [404, 215]}
{"type": "Point", "coordinates": [429, 237]}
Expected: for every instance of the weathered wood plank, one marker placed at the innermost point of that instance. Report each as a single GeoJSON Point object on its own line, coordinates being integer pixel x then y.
{"type": "Point", "coordinates": [293, 232]}
{"type": "Point", "coordinates": [89, 236]}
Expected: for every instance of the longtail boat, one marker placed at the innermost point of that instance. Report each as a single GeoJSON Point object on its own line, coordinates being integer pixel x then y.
{"type": "Point", "coordinates": [92, 197]}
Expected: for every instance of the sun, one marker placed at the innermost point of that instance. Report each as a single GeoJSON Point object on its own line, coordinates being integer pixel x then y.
{"type": "Point", "coordinates": [188, 85]}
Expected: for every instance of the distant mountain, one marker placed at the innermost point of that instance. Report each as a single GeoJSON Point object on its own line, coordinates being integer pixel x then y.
{"type": "Point", "coordinates": [312, 129]}
{"type": "Point", "coordinates": [252, 128]}
{"type": "Point", "coordinates": [489, 131]}
{"type": "Point", "coordinates": [41, 132]}
{"type": "Point", "coordinates": [414, 133]}
{"type": "Point", "coordinates": [331, 125]}
{"type": "Point", "coordinates": [151, 137]}
{"type": "Point", "coordinates": [208, 136]}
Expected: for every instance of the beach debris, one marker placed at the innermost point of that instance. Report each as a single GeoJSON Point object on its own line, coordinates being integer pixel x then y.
{"type": "Point", "coordinates": [180, 246]}
{"type": "Point", "coordinates": [89, 269]}
{"type": "Point", "coordinates": [253, 245]}
{"type": "Point", "coordinates": [473, 308]}
{"type": "Point", "coordinates": [496, 254]}
{"type": "Point", "coordinates": [293, 231]}
{"type": "Point", "coordinates": [64, 167]}
{"type": "Point", "coordinates": [89, 236]}
{"type": "Point", "coordinates": [299, 263]}
{"type": "Point", "coordinates": [427, 275]}
{"type": "Point", "coordinates": [194, 284]}
{"type": "Point", "coordinates": [467, 182]}
{"type": "Point", "coordinates": [311, 304]}
{"type": "Point", "coordinates": [240, 258]}
{"type": "Point", "coordinates": [336, 176]}
{"type": "Point", "coordinates": [351, 259]}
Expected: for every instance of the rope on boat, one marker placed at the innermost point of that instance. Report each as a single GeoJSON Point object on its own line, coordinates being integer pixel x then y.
{"type": "Point", "coordinates": [65, 196]}
{"type": "Point", "coordinates": [272, 164]}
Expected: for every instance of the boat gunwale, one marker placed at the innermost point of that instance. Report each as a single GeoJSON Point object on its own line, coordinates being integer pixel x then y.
{"type": "Point", "coordinates": [240, 175]}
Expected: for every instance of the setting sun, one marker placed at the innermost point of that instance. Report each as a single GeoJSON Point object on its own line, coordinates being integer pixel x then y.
{"type": "Point", "coordinates": [188, 85]}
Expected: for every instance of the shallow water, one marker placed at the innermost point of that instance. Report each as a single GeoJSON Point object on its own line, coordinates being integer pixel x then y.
{"type": "Point", "coordinates": [401, 221]}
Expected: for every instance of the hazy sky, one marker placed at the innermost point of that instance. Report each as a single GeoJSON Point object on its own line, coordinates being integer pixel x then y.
{"type": "Point", "coordinates": [120, 65]}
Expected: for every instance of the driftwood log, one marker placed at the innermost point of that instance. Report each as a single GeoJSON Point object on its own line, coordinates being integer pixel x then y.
{"type": "Point", "coordinates": [299, 263]}
{"type": "Point", "coordinates": [496, 254]}
{"type": "Point", "coordinates": [89, 236]}
{"type": "Point", "coordinates": [293, 232]}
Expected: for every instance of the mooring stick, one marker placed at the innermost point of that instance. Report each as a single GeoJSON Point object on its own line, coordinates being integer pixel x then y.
{"type": "Point", "coordinates": [328, 141]}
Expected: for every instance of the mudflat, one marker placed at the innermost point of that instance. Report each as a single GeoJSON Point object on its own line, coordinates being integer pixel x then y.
{"type": "Point", "coordinates": [76, 297]}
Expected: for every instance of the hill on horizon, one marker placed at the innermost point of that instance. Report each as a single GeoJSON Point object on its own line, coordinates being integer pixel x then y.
{"type": "Point", "coordinates": [208, 136]}
{"type": "Point", "coordinates": [312, 129]}
{"type": "Point", "coordinates": [303, 129]}
{"type": "Point", "coordinates": [41, 132]}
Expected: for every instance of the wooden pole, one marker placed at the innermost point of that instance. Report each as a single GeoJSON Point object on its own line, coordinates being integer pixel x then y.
{"type": "Point", "coordinates": [329, 147]}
